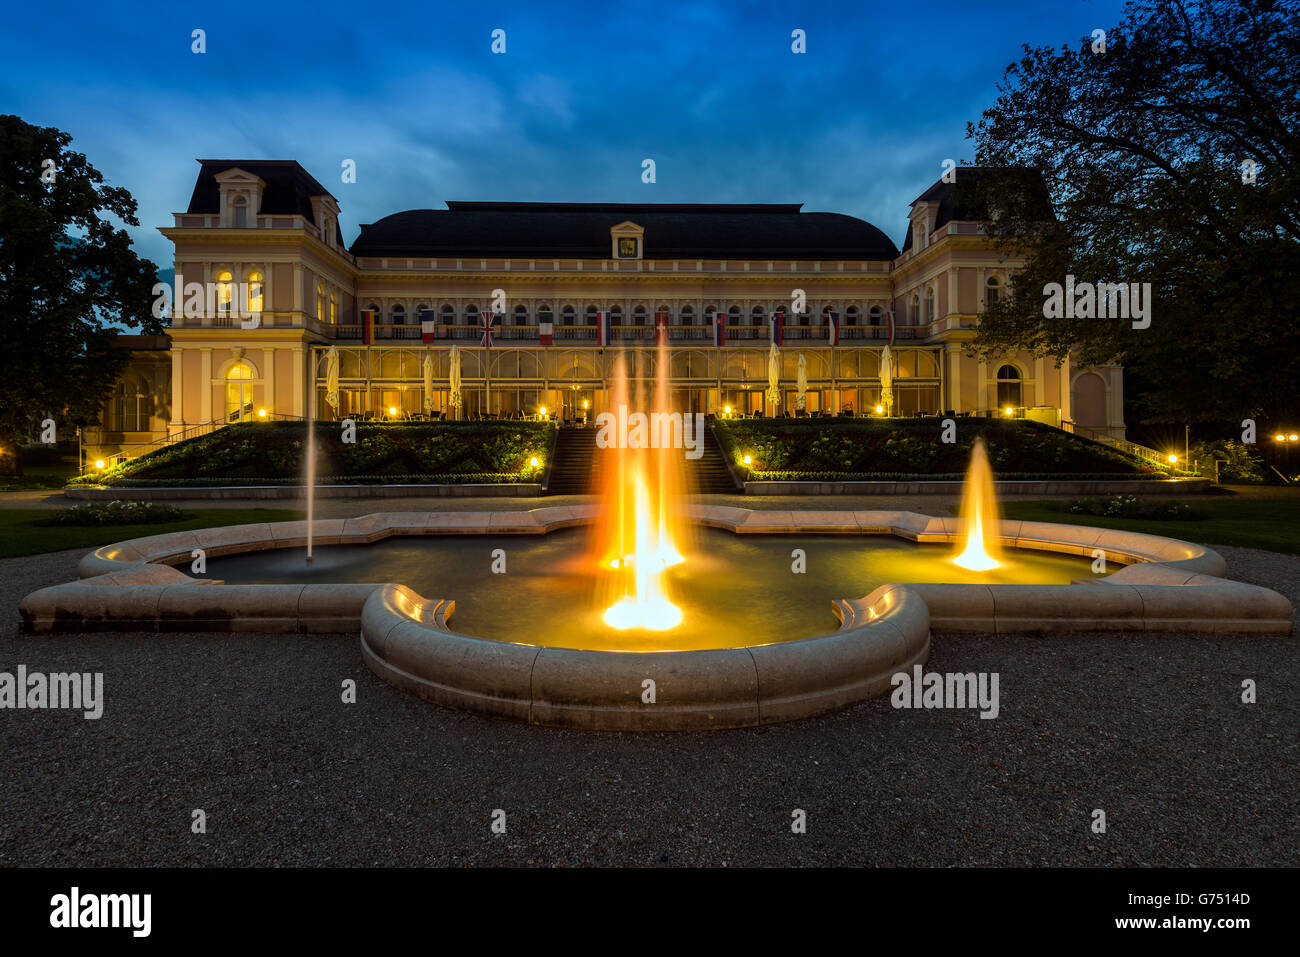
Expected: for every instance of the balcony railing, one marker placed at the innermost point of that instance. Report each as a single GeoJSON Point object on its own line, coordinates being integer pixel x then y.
{"type": "Point", "coordinates": [529, 334]}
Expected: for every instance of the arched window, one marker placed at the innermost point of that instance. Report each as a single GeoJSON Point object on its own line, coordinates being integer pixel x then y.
{"type": "Point", "coordinates": [255, 288]}
{"type": "Point", "coordinates": [688, 316]}
{"type": "Point", "coordinates": [591, 312]}
{"type": "Point", "coordinates": [569, 316]}
{"type": "Point", "coordinates": [875, 316]}
{"type": "Point", "coordinates": [638, 316]}
{"type": "Point", "coordinates": [448, 315]}
{"type": "Point", "coordinates": [521, 315]}
{"type": "Point", "coordinates": [851, 316]}
{"type": "Point", "coordinates": [616, 315]}
{"type": "Point", "coordinates": [992, 289]}
{"type": "Point", "coordinates": [239, 392]}
{"type": "Point", "coordinates": [225, 292]}
{"type": "Point", "coordinates": [756, 316]}
{"type": "Point", "coordinates": [132, 405]}
{"type": "Point", "coordinates": [241, 212]}
{"type": "Point", "coordinates": [914, 315]}
{"type": "Point", "coordinates": [471, 315]}
{"type": "Point", "coordinates": [544, 313]}
{"type": "Point", "coordinates": [929, 304]}
{"type": "Point", "coordinates": [399, 315]}
{"type": "Point", "coordinates": [733, 316]}
{"type": "Point", "coordinates": [334, 308]}
{"type": "Point", "coordinates": [320, 301]}
{"type": "Point", "coordinates": [1009, 394]}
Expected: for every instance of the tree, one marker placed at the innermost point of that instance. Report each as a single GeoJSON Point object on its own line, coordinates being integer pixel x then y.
{"type": "Point", "coordinates": [66, 274]}
{"type": "Point", "coordinates": [1146, 150]}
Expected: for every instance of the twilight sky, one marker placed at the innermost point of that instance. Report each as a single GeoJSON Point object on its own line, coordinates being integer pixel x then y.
{"type": "Point", "coordinates": [584, 92]}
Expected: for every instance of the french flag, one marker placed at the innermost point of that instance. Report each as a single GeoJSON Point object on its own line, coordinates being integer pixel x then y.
{"type": "Point", "coordinates": [835, 329]}
{"type": "Point", "coordinates": [602, 329]}
{"type": "Point", "coordinates": [368, 326]}
{"type": "Point", "coordinates": [428, 326]}
{"type": "Point", "coordinates": [777, 325]}
{"type": "Point", "coordinates": [719, 329]}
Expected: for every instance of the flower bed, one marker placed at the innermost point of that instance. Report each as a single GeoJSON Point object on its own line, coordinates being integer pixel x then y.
{"type": "Point", "coordinates": [273, 453]}
{"type": "Point", "coordinates": [906, 449]}
{"type": "Point", "coordinates": [116, 513]}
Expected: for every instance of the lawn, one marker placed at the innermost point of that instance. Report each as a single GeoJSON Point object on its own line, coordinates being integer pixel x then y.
{"type": "Point", "coordinates": [1271, 523]}
{"type": "Point", "coordinates": [20, 535]}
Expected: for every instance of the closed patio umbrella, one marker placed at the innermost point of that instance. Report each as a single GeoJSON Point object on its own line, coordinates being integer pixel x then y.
{"type": "Point", "coordinates": [453, 378]}
{"type": "Point", "coordinates": [887, 380]}
{"type": "Point", "coordinates": [331, 379]}
{"type": "Point", "coordinates": [428, 382]}
{"type": "Point", "coordinates": [801, 399]}
{"type": "Point", "coordinates": [774, 376]}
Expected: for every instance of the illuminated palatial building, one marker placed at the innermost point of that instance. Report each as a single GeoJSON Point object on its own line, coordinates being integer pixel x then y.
{"type": "Point", "coordinates": [273, 228]}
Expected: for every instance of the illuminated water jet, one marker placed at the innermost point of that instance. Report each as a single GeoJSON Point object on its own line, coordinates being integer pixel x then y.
{"type": "Point", "coordinates": [979, 513]}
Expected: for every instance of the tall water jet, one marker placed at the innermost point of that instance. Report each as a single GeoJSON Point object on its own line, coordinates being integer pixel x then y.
{"type": "Point", "coordinates": [635, 540]}
{"type": "Point", "coordinates": [979, 544]}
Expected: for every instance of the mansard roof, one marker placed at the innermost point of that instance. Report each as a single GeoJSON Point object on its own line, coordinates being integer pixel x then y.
{"type": "Point", "coordinates": [289, 187]}
{"type": "Point", "coordinates": [582, 231]}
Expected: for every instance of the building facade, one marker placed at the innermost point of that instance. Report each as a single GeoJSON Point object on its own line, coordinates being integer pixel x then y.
{"type": "Point", "coordinates": [263, 240]}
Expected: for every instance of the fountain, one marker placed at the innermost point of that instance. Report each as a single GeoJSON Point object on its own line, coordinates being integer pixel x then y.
{"type": "Point", "coordinates": [979, 551]}
{"type": "Point", "coordinates": [688, 629]}
{"type": "Point", "coordinates": [636, 538]}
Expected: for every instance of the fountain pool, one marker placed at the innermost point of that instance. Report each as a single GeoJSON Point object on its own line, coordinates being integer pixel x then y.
{"type": "Point", "coordinates": [733, 591]}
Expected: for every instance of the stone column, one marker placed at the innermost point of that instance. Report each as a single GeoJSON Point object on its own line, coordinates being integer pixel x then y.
{"type": "Point", "coordinates": [177, 423]}
{"type": "Point", "coordinates": [205, 380]}
{"type": "Point", "coordinates": [268, 380]}
{"type": "Point", "coordinates": [1066, 390]}
{"type": "Point", "coordinates": [982, 383]}
{"type": "Point", "coordinates": [301, 359]}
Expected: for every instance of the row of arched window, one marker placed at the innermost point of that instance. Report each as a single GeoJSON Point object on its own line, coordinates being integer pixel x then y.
{"type": "Point", "coordinates": [638, 315]}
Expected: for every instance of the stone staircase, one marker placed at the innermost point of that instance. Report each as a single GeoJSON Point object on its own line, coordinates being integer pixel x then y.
{"type": "Point", "coordinates": [578, 466]}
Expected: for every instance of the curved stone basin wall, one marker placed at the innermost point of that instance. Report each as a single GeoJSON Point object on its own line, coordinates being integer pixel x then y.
{"type": "Point", "coordinates": [1169, 586]}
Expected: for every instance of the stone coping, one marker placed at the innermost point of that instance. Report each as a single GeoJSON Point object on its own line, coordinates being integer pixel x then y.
{"type": "Point", "coordinates": [1189, 486]}
{"type": "Point", "coordinates": [106, 494]}
{"type": "Point", "coordinates": [1168, 585]}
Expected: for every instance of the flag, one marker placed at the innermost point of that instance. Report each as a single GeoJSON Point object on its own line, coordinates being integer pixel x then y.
{"type": "Point", "coordinates": [776, 324]}
{"type": "Point", "coordinates": [835, 329]}
{"type": "Point", "coordinates": [719, 328]}
{"type": "Point", "coordinates": [546, 332]}
{"type": "Point", "coordinates": [428, 328]}
{"type": "Point", "coordinates": [661, 328]}
{"type": "Point", "coordinates": [487, 326]}
{"type": "Point", "coordinates": [890, 314]}
{"type": "Point", "coordinates": [602, 329]}
{"type": "Point", "coordinates": [367, 326]}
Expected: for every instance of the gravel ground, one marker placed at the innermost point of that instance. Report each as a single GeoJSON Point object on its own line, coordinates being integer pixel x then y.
{"type": "Point", "coordinates": [251, 729]}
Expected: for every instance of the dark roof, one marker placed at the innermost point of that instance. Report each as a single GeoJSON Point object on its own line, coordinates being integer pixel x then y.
{"type": "Point", "coordinates": [581, 231]}
{"type": "Point", "coordinates": [960, 200]}
{"type": "Point", "coordinates": [289, 187]}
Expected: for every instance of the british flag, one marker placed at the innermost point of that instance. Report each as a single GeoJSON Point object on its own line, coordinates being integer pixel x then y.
{"type": "Point", "coordinates": [488, 326]}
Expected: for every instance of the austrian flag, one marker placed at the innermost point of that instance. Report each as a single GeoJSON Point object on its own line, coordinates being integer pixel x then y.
{"type": "Point", "coordinates": [602, 329]}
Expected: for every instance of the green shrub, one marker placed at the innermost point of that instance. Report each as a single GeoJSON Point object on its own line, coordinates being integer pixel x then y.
{"type": "Point", "coordinates": [116, 513]}
{"type": "Point", "coordinates": [1130, 506]}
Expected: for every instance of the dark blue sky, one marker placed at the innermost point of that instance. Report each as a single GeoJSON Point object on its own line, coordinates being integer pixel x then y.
{"type": "Point", "coordinates": [860, 124]}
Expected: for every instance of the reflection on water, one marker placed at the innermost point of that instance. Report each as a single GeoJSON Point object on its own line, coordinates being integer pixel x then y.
{"type": "Point", "coordinates": [732, 590]}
